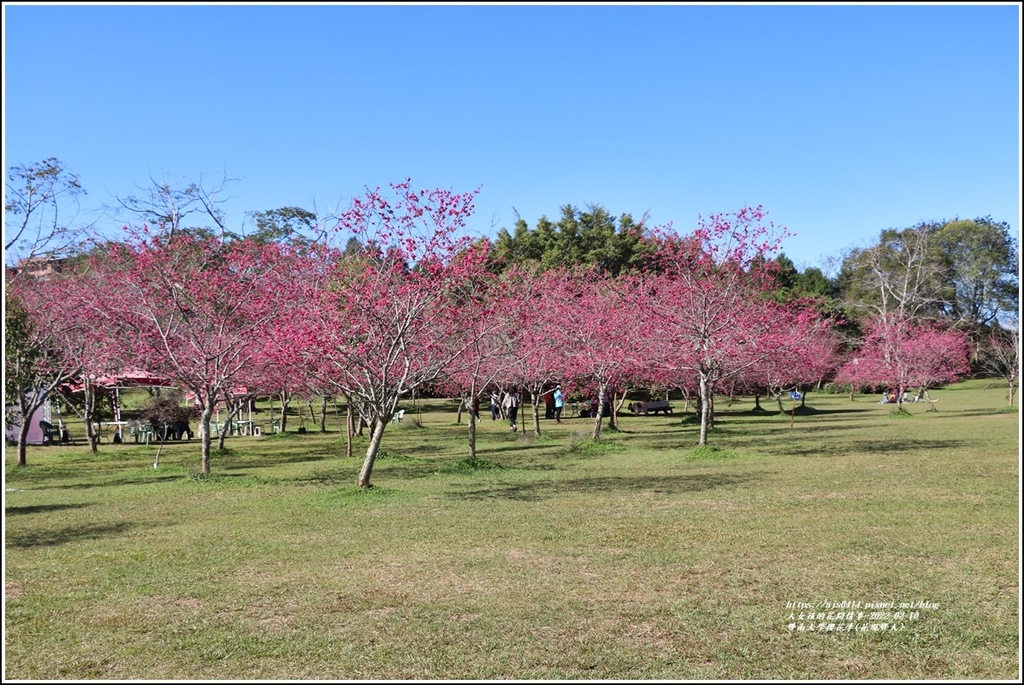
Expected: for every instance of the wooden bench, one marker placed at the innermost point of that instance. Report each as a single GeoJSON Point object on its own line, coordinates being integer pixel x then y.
{"type": "Point", "coordinates": [646, 408]}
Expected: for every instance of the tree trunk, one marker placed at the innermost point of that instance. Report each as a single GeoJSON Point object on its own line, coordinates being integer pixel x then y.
{"type": "Point", "coordinates": [600, 410]}
{"type": "Point", "coordinates": [91, 435]}
{"type": "Point", "coordinates": [899, 399]}
{"type": "Point", "coordinates": [23, 439]}
{"type": "Point", "coordinates": [371, 451]}
{"type": "Point", "coordinates": [535, 398]}
{"type": "Point", "coordinates": [472, 421]}
{"type": "Point", "coordinates": [350, 426]}
{"type": "Point", "coordinates": [89, 411]}
{"type": "Point", "coordinates": [235, 409]}
{"type": "Point", "coordinates": [323, 414]}
{"type": "Point", "coordinates": [458, 417]}
{"type": "Point", "coordinates": [618, 408]}
{"type": "Point", "coordinates": [472, 435]}
{"type": "Point", "coordinates": [204, 436]}
{"type": "Point", "coordinates": [285, 399]}
{"type": "Point", "coordinates": [705, 411]}
{"type": "Point", "coordinates": [757, 401]}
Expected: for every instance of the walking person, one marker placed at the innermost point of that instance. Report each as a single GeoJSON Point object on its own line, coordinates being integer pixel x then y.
{"type": "Point", "coordinates": [559, 402]}
{"type": "Point", "coordinates": [511, 405]}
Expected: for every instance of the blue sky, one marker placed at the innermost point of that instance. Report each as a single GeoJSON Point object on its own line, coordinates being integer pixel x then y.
{"type": "Point", "coordinates": [841, 120]}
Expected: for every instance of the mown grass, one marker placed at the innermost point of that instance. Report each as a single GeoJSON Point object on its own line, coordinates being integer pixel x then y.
{"type": "Point", "coordinates": [637, 558]}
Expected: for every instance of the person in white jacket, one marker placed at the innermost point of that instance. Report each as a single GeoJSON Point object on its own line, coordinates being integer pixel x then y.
{"type": "Point", "coordinates": [511, 405]}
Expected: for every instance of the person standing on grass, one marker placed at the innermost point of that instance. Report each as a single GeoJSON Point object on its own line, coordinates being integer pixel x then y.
{"type": "Point", "coordinates": [495, 405]}
{"type": "Point", "coordinates": [559, 401]}
{"type": "Point", "coordinates": [511, 405]}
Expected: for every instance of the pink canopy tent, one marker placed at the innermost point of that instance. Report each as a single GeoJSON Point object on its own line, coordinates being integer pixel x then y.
{"type": "Point", "coordinates": [129, 378]}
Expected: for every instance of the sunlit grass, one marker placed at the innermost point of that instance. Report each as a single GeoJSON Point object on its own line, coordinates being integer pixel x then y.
{"type": "Point", "coordinates": [552, 557]}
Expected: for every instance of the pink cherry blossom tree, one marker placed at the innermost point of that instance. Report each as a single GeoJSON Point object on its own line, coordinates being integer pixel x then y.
{"type": "Point", "coordinates": [483, 319]}
{"type": "Point", "coordinates": [708, 302]}
{"type": "Point", "coordinates": [804, 352]}
{"type": "Point", "coordinates": [384, 320]}
{"type": "Point", "coordinates": [589, 318]}
{"type": "Point", "coordinates": [898, 354]}
{"type": "Point", "coordinates": [532, 360]}
{"type": "Point", "coordinates": [194, 310]}
{"type": "Point", "coordinates": [83, 336]}
{"type": "Point", "coordinates": [46, 344]}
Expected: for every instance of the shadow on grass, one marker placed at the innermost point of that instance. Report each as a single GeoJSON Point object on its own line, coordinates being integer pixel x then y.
{"type": "Point", "coordinates": [51, 538]}
{"type": "Point", "coordinates": [41, 508]}
{"type": "Point", "coordinates": [329, 478]}
{"type": "Point", "coordinates": [112, 482]}
{"type": "Point", "coordinates": [731, 428]}
{"type": "Point", "coordinates": [540, 490]}
{"type": "Point", "coordinates": [517, 447]}
{"type": "Point", "coordinates": [232, 463]}
{"type": "Point", "coordinates": [826, 449]}
{"type": "Point", "coordinates": [756, 416]}
{"type": "Point", "coordinates": [995, 411]}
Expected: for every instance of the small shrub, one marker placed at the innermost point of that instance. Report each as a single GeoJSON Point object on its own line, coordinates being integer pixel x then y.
{"type": "Point", "coordinates": [708, 453]}
{"type": "Point", "coordinates": [591, 446]}
{"type": "Point", "coordinates": [410, 423]}
{"type": "Point", "coordinates": [468, 465]}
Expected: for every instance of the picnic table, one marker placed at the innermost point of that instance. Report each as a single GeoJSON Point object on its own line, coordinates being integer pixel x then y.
{"type": "Point", "coordinates": [653, 407]}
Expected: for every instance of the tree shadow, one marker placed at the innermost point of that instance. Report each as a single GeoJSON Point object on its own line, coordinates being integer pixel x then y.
{"type": "Point", "coordinates": [541, 490]}
{"type": "Point", "coordinates": [517, 448]}
{"type": "Point", "coordinates": [328, 479]}
{"type": "Point", "coordinates": [996, 411]}
{"type": "Point", "coordinates": [114, 482]}
{"type": "Point", "coordinates": [52, 538]}
{"type": "Point", "coordinates": [881, 447]}
{"type": "Point", "coordinates": [276, 459]}
{"type": "Point", "coordinates": [41, 508]}
{"type": "Point", "coordinates": [755, 415]}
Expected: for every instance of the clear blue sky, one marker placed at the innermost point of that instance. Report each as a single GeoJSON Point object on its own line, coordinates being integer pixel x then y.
{"type": "Point", "coordinates": [841, 120]}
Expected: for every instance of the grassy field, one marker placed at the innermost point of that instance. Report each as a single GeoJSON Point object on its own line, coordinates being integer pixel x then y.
{"type": "Point", "coordinates": [551, 558]}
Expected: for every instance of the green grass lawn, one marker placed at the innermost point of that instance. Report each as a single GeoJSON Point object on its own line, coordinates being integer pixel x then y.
{"type": "Point", "coordinates": [554, 558]}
